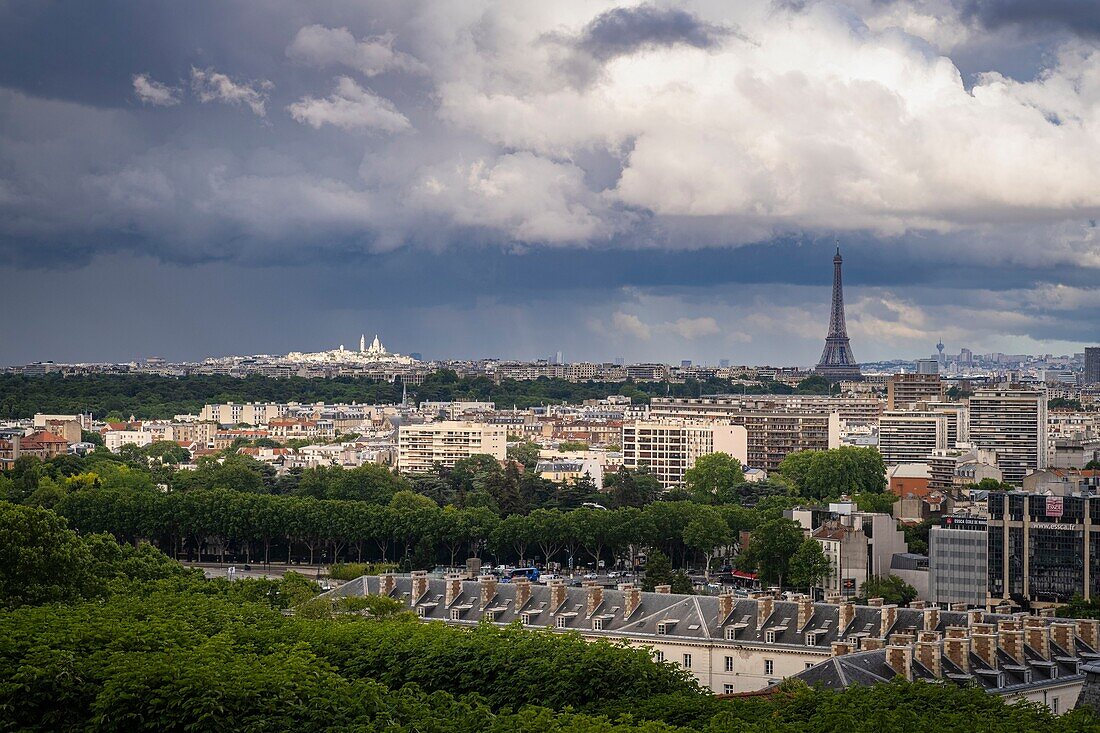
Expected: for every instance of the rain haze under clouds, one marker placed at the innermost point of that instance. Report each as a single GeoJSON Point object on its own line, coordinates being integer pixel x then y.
{"type": "Point", "coordinates": [654, 181]}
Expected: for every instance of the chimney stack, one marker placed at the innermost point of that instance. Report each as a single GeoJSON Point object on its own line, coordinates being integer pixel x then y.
{"type": "Point", "coordinates": [929, 654]}
{"type": "Point", "coordinates": [870, 643]}
{"type": "Point", "coordinates": [1087, 630]}
{"type": "Point", "coordinates": [900, 659]}
{"type": "Point", "coordinates": [632, 598]}
{"type": "Point", "coordinates": [662, 589]}
{"type": "Point", "coordinates": [452, 589]}
{"type": "Point", "coordinates": [764, 607]}
{"type": "Point", "coordinates": [557, 595]}
{"type": "Point", "coordinates": [840, 648]}
{"type": "Point", "coordinates": [1037, 636]}
{"type": "Point", "coordinates": [847, 612]}
{"type": "Point", "coordinates": [985, 648]}
{"type": "Point", "coordinates": [957, 649]}
{"type": "Point", "coordinates": [1012, 643]}
{"type": "Point", "coordinates": [957, 607]}
{"type": "Point", "coordinates": [725, 607]}
{"type": "Point", "coordinates": [419, 585]}
{"type": "Point", "coordinates": [931, 618]}
{"type": "Point", "coordinates": [387, 584]}
{"type": "Point", "coordinates": [917, 605]}
{"type": "Point", "coordinates": [523, 592]}
{"type": "Point", "coordinates": [875, 602]}
{"type": "Point", "coordinates": [902, 639]}
{"type": "Point", "coordinates": [1062, 634]}
{"type": "Point", "coordinates": [974, 616]}
{"type": "Point", "coordinates": [594, 598]}
{"type": "Point", "coordinates": [889, 617]}
{"type": "Point", "coordinates": [1047, 612]}
{"type": "Point", "coordinates": [805, 612]}
{"type": "Point", "coordinates": [488, 584]}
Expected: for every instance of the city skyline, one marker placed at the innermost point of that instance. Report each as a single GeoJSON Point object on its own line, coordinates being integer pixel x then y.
{"type": "Point", "coordinates": [655, 182]}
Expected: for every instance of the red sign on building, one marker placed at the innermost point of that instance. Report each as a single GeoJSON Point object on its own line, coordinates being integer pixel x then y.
{"type": "Point", "coordinates": [1054, 506]}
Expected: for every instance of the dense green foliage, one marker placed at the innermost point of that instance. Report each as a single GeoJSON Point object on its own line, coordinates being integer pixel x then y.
{"type": "Point", "coordinates": [162, 649]}
{"type": "Point", "coordinates": [891, 589]}
{"type": "Point", "coordinates": [828, 473]}
{"type": "Point", "coordinates": [150, 396]}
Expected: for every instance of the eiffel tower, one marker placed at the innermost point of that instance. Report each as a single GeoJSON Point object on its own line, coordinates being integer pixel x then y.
{"type": "Point", "coordinates": [837, 362]}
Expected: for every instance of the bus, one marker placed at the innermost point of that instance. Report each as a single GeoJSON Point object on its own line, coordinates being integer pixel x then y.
{"type": "Point", "coordinates": [531, 574]}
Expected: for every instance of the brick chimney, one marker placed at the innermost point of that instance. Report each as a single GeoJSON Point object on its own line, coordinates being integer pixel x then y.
{"type": "Point", "coordinates": [1047, 612]}
{"type": "Point", "coordinates": [419, 585]}
{"type": "Point", "coordinates": [523, 592]}
{"type": "Point", "coordinates": [1037, 636]}
{"type": "Point", "coordinates": [557, 594]}
{"type": "Point", "coordinates": [632, 598]}
{"type": "Point", "coordinates": [1012, 643]}
{"type": "Point", "coordinates": [452, 589]}
{"type": "Point", "coordinates": [1087, 630]}
{"type": "Point", "coordinates": [840, 648]}
{"type": "Point", "coordinates": [931, 619]}
{"type": "Point", "coordinates": [985, 648]}
{"type": "Point", "coordinates": [875, 602]}
{"type": "Point", "coordinates": [889, 617]}
{"type": "Point", "coordinates": [982, 629]}
{"type": "Point", "coordinates": [725, 606]}
{"type": "Point", "coordinates": [974, 616]}
{"type": "Point", "coordinates": [764, 608]}
{"type": "Point", "coordinates": [847, 612]}
{"type": "Point", "coordinates": [957, 649]}
{"type": "Point", "coordinates": [488, 585]}
{"type": "Point", "coordinates": [929, 654]}
{"type": "Point", "coordinates": [387, 584]}
{"type": "Point", "coordinates": [870, 643]}
{"type": "Point", "coordinates": [1062, 634]}
{"type": "Point", "coordinates": [900, 659]}
{"type": "Point", "coordinates": [594, 598]}
{"type": "Point", "coordinates": [902, 639]}
{"type": "Point", "coordinates": [956, 632]}
{"type": "Point", "coordinates": [662, 589]}
{"type": "Point", "coordinates": [805, 612]}
{"type": "Point", "coordinates": [957, 607]}
{"type": "Point", "coordinates": [928, 636]}
{"type": "Point", "coordinates": [917, 605]}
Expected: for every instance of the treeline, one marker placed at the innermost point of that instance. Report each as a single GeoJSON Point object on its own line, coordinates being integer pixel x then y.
{"type": "Point", "coordinates": [134, 646]}
{"type": "Point", "coordinates": [150, 396]}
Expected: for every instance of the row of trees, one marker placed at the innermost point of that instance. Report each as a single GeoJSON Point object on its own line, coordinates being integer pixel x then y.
{"type": "Point", "coordinates": [156, 397]}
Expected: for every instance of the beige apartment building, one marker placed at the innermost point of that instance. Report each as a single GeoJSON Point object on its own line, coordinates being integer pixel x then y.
{"type": "Point", "coordinates": [773, 429]}
{"type": "Point", "coordinates": [420, 447]}
{"type": "Point", "coordinates": [1013, 424]}
{"type": "Point", "coordinates": [904, 390]}
{"type": "Point", "coordinates": [669, 448]}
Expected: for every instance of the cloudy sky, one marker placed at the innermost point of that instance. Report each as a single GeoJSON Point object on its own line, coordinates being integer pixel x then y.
{"type": "Point", "coordinates": [653, 181]}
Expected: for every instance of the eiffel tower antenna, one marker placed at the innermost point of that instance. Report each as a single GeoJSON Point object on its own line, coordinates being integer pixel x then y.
{"type": "Point", "coordinates": [837, 361]}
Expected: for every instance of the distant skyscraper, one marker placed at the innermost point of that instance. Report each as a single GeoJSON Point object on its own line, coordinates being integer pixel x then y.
{"type": "Point", "coordinates": [927, 366]}
{"type": "Point", "coordinates": [1092, 365]}
{"type": "Point", "coordinates": [939, 351]}
{"type": "Point", "coordinates": [837, 362]}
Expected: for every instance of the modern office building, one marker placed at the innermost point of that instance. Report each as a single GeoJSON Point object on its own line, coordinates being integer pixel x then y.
{"type": "Point", "coordinates": [669, 448]}
{"type": "Point", "coordinates": [958, 568]}
{"type": "Point", "coordinates": [1092, 365]}
{"type": "Point", "coordinates": [904, 390]}
{"type": "Point", "coordinates": [1013, 424]}
{"type": "Point", "coordinates": [1043, 548]}
{"type": "Point", "coordinates": [444, 443]}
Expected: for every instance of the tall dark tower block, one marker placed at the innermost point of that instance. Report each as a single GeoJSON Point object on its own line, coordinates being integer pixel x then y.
{"type": "Point", "coordinates": [837, 362]}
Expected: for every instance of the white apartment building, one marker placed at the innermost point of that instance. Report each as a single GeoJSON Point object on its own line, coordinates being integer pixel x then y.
{"type": "Point", "coordinates": [113, 440]}
{"type": "Point", "coordinates": [910, 437]}
{"type": "Point", "coordinates": [669, 448]}
{"type": "Point", "coordinates": [248, 413]}
{"type": "Point", "coordinates": [420, 447]}
{"type": "Point", "coordinates": [1013, 424]}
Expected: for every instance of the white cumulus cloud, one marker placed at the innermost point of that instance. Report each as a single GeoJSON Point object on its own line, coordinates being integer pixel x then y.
{"type": "Point", "coordinates": [154, 92]}
{"type": "Point", "coordinates": [211, 86]}
{"type": "Point", "coordinates": [350, 107]}
{"type": "Point", "coordinates": [316, 45]}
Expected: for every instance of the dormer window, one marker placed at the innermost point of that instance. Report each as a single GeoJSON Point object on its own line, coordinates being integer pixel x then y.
{"type": "Point", "coordinates": [560, 622]}
{"type": "Point", "coordinates": [525, 619]}
{"type": "Point", "coordinates": [456, 615]}
{"type": "Point", "coordinates": [731, 633]}
{"type": "Point", "coordinates": [420, 611]}
{"type": "Point", "coordinates": [662, 629]}
{"type": "Point", "coordinates": [769, 637]}
{"type": "Point", "coordinates": [811, 638]}
{"type": "Point", "coordinates": [489, 616]}
{"type": "Point", "coordinates": [597, 624]}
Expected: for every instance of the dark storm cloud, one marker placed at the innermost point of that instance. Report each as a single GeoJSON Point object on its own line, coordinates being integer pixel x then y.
{"type": "Point", "coordinates": [1077, 16]}
{"type": "Point", "coordinates": [622, 31]}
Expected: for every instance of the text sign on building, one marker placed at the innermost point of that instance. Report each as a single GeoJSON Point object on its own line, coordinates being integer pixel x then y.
{"type": "Point", "coordinates": [1054, 506]}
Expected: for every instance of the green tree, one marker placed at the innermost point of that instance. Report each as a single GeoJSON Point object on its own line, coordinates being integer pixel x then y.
{"type": "Point", "coordinates": [526, 452]}
{"type": "Point", "coordinates": [713, 475]}
{"type": "Point", "coordinates": [706, 531]}
{"type": "Point", "coordinates": [808, 565]}
{"type": "Point", "coordinates": [891, 589]}
{"type": "Point", "coordinates": [827, 474]}
{"type": "Point", "coordinates": [773, 544]}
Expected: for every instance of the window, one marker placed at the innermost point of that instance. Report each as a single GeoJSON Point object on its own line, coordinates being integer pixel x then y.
{"type": "Point", "coordinates": [729, 664]}
{"type": "Point", "coordinates": [769, 667]}
{"type": "Point", "coordinates": [731, 633]}
{"type": "Point", "coordinates": [769, 637]}
{"type": "Point", "coordinates": [1054, 705]}
{"type": "Point", "coordinates": [525, 619]}
{"type": "Point", "coordinates": [661, 629]}
{"type": "Point", "coordinates": [659, 656]}
{"type": "Point", "coordinates": [727, 689]}
{"type": "Point", "coordinates": [420, 610]}
{"type": "Point", "coordinates": [560, 622]}
{"type": "Point", "coordinates": [456, 615]}
{"type": "Point", "coordinates": [597, 624]}
{"type": "Point", "coordinates": [687, 661]}
{"type": "Point", "coordinates": [809, 664]}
